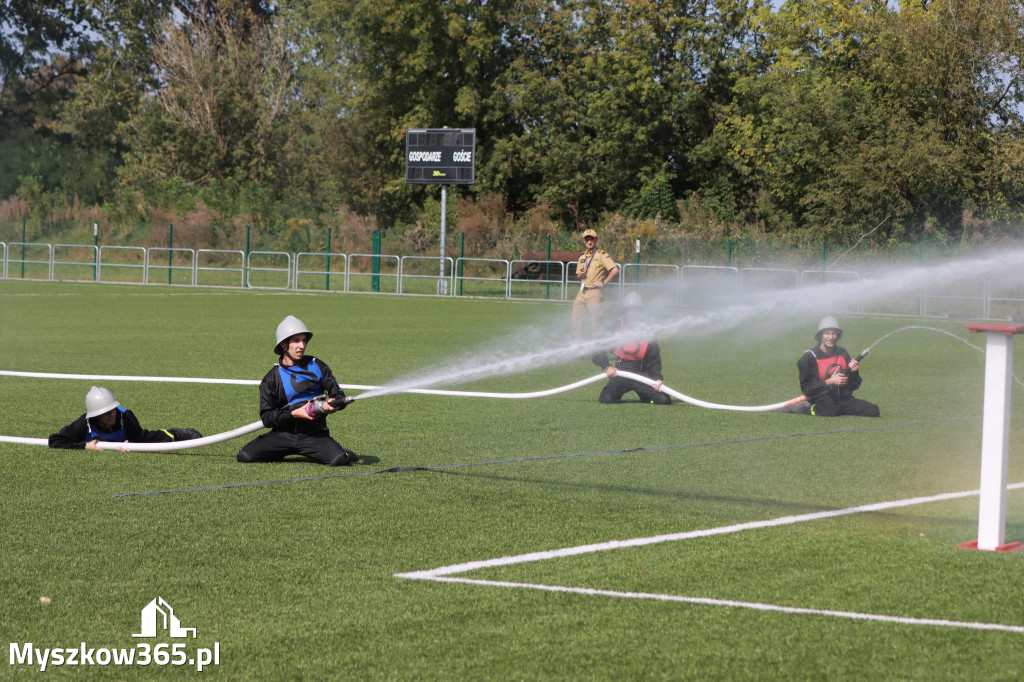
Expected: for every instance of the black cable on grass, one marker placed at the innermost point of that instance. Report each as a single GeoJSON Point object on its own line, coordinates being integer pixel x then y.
{"type": "Point", "coordinates": [441, 467]}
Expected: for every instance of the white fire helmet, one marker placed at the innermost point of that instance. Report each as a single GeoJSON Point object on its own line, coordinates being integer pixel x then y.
{"type": "Point", "coordinates": [828, 322]}
{"type": "Point", "coordinates": [99, 401]}
{"type": "Point", "coordinates": [289, 327]}
{"type": "Point", "coordinates": [633, 300]}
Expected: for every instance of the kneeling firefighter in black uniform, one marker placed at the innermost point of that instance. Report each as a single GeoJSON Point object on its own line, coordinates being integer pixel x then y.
{"type": "Point", "coordinates": [828, 377]}
{"type": "Point", "coordinates": [295, 397]}
{"type": "Point", "coordinates": [637, 355]}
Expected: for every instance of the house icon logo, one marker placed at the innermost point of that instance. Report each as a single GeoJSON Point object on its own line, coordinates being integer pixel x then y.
{"type": "Point", "coordinates": [158, 614]}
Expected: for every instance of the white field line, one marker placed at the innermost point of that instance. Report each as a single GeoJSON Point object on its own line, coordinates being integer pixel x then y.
{"type": "Point", "coordinates": [172, 380]}
{"type": "Point", "coordinates": [756, 606]}
{"type": "Point", "coordinates": [123, 377]}
{"type": "Point", "coordinates": [443, 574]}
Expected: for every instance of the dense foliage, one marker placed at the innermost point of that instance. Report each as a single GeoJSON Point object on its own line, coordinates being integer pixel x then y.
{"type": "Point", "coordinates": [815, 119]}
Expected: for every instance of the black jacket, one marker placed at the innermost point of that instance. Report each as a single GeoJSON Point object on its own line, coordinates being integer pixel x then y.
{"type": "Point", "coordinates": [75, 435]}
{"type": "Point", "coordinates": [649, 365]}
{"type": "Point", "coordinates": [276, 413]}
{"type": "Point", "coordinates": [811, 383]}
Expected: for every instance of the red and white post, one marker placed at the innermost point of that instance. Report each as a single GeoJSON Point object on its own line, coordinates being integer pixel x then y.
{"type": "Point", "coordinates": [995, 437]}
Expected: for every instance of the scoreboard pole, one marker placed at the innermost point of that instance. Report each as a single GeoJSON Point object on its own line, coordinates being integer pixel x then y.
{"type": "Point", "coordinates": [442, 283]}
{"type": "Point", "coordinates": [444, 156]}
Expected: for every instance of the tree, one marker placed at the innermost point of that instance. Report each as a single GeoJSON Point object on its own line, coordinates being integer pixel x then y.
{"type": "Point", "coordinates": [869, 112]}
{"type": "Point", "coordinates": [400, 64]}
{"type": "Point", "coordinates": [218, 119]}
{"type": "Point", "coordinates": [32, 32]}
{"type": "Point", "coordinates": [959, 64]}
{"type": "Point", "coordinates": [594, 90]}
{"type": "Point", "coordinates": [84, 68]}
{"type": "Point", "coordinates": [43, 53]}
{"type": "Point", "coordinates": [610, 95]}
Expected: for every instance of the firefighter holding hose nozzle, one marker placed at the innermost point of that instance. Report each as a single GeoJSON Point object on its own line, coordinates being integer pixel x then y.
{"type": "Point", "coordinates": [829, 376]}
{"type": "Point", "coordinates": [295, 397]}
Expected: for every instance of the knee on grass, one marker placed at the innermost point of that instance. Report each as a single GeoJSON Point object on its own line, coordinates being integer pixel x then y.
{"type": "Point", "coordinates": [345, 458]}
{"type": "Point", "coordinates": [244, 457]}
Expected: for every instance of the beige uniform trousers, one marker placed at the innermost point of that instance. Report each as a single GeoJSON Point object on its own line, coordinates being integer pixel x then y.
{"type": "Point", "coordinates": [588, 307]}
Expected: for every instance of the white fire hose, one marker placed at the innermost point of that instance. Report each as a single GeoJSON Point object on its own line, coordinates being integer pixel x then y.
{"type": "Point", "coordinates": [256, 426]}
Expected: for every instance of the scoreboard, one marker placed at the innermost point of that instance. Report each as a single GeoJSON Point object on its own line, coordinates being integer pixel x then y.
{"type": "Point", "coordinates": [440, 155]}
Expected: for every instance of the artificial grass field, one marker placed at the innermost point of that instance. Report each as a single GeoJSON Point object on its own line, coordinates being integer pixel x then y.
{"type": "Point", "coordinates": [297, 580]}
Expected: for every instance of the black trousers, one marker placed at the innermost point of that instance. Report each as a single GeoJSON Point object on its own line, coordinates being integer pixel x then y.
{"type": "Point", "coordinates": [275, 445]}
{"type": "Point", "coordinates": [827, 406]}
{"type": "Point", "coordinates": [618, 387]}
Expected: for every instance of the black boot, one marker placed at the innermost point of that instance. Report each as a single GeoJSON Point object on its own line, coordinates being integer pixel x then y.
{"type": "Point", "coordinates": [184, 434]}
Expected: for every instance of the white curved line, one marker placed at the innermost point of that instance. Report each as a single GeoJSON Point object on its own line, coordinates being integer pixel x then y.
{"type": "Point", "coordinates": [172, 380]}
{"type": "Point", "coordinates": [119, 377]}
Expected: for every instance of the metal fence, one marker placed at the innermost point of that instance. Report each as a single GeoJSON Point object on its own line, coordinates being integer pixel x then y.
{"type": "Point", "coordinates": [973, 297]}
{"type": "Point", "coordinates": [747, 250]}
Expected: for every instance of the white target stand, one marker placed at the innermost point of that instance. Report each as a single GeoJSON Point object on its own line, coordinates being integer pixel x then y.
{"type": "Point", "coordinates": [995, 437]}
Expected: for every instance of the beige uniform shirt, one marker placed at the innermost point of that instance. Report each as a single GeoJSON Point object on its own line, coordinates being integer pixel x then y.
{"type": "Point", "coordinates": [597, 263]}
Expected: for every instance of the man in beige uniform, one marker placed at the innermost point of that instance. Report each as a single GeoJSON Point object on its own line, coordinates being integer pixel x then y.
{"type": "Point", "coordinates": [595, 269]}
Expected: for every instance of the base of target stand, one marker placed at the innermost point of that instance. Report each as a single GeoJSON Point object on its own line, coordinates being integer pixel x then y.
{"type": "Point", "coordinates": [1008, 547]}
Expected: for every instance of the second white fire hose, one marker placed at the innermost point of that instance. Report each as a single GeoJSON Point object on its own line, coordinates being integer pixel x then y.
{"type": "Point", "coordinates": [711, 406]}
{"type": "Point", "coordinates": [256, 426]}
